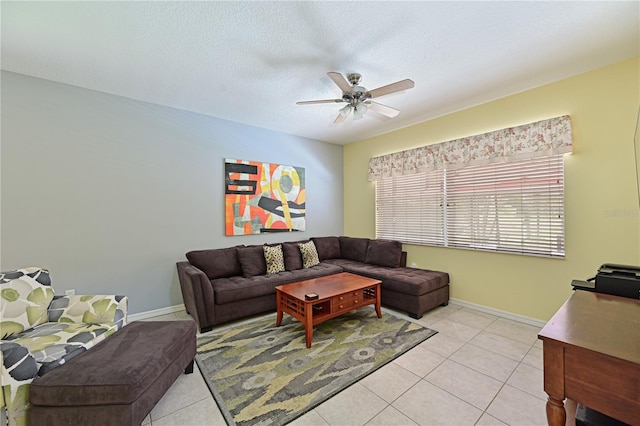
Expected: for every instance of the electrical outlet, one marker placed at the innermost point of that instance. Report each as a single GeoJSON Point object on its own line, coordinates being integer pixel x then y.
{"type": "Point", "coordinates": [70, 292]}
{"type": "Point", "coordinates": [413, 265]}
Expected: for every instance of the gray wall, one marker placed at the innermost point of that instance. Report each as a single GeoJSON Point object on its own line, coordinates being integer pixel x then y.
{"type": "Point", "coordinates": [108, 192]}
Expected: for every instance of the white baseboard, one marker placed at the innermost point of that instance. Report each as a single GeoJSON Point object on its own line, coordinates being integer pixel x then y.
{"type": "Point", "coordinates": [499, 313]}
{"type": "Point", "coordinates": [155, 313]}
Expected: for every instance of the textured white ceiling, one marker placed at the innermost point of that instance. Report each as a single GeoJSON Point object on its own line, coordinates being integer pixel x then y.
{"type": "Point", "coordinates": [249, 62]}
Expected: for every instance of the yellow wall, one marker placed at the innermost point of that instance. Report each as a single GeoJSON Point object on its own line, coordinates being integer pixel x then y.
{"type": "Point", "coordinates": [602, 213]}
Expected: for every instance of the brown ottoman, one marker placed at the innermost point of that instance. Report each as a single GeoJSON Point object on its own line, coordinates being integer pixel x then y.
{"type": "Point", "coordinates": [415, 290]}
{"type": "Point", "coordinates": [118, 381]}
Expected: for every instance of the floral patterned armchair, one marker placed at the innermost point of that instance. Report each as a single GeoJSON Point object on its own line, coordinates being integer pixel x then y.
{"type": "Point", "coordinates": [40, 331]}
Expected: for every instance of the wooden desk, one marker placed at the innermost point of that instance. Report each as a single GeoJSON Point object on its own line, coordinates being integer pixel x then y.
{"type": "Point", "coordinates": [592, 355]}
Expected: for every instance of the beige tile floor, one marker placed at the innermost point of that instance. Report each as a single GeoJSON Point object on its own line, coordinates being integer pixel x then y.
{"type": "Point", "coordinates": [479, 369]}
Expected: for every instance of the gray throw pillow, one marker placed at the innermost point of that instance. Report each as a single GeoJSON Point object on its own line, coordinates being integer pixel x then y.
{"type": "Point", "coordinates": [327, 247]}
{"type": "Point", "coordinates": [292, 256]}
{"type": "Point", "coordinates": [216, 263]}
{"type": "Point", "coordinates": [252, 261]}
{"type": "Point", "coordinates": [384, 253]}
{"type": "Point", "coordinates": [354, 248]}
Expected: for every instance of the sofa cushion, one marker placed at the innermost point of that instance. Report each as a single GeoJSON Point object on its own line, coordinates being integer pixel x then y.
{"type": "Point", "coordinates": [327, 247]}
{"type": "Point", "coordinates": [274, 258]}
{"type": "Point", "coordinates": [216, 263]}
{"type": "Point", "coordinates": [309, 254]}
{"type": "Point", "coordinates": [53, 344]}
{"type": "Point", "coordinates": [252, 261]}
{"type": "Point", "coordinates": [292, 256]}
{"type": "Point", "coordinates": [234, 289]}
{"type": "Point", "coordinates": [384, 253]}
{"type": "Point", "coordinates": [25, 296]}
{"type": "Point", "coordinates": [354, 248]}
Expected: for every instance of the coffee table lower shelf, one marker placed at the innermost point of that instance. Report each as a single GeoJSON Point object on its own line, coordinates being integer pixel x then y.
{"type": "Point", "coordinates": [333, 300]}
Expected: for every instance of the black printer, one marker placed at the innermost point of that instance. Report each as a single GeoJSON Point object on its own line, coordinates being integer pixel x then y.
{"type": "Point", "coordinates": [618, 280]}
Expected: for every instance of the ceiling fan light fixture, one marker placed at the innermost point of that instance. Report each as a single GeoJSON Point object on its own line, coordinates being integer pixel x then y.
{"type": "Point", "coordinates": [345, 110]}
{"type": "Point", "coordinates": [359, 110]}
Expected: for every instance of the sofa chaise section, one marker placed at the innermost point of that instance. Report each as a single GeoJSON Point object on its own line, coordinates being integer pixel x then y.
{"type": "Point", "coordinates": [412, 290]}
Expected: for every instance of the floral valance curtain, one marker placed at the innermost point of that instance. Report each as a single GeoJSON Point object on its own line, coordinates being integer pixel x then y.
{"type": "Point", "coordinates": [539, 139]}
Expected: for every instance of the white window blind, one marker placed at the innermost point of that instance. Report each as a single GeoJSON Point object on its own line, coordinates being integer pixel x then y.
{"type": "Point", "coordinates": [409, 208]}
{"type": "Point", "coordinates": [515, 207]}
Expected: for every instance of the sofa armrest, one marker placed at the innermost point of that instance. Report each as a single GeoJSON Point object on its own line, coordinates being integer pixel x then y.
{"type": "Point", "coordinates": [93, 309]}
{"type": "Point", "coordinates": [403, 259]}
{"type": "Point", "coordinates": [197, 294]}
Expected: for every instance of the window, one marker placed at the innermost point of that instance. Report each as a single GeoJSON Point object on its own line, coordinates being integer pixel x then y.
{"type": "Point", "coordinates": [515, 207]}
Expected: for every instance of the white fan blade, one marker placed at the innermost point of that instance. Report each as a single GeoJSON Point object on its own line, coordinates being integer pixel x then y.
{"type": "Point", "coordinates": [391, 88]}
{"type": "Point", "coordinates": [340, 81]}
{"type": "Point", "coordinates": [322, 101]}
{"type": "Point", "coordinates": [383, 109]}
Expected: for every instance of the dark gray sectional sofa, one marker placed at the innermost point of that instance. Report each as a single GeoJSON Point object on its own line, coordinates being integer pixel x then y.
{"type": "Point", "coordinates": [221, 285]}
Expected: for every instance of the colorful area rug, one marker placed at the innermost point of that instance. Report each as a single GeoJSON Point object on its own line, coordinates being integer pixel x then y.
{"type": "Point", "coordinates": [262, 374]}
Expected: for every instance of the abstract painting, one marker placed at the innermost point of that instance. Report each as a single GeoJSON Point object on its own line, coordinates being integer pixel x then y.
{"type": "Point", "coordinates": [263, 197]}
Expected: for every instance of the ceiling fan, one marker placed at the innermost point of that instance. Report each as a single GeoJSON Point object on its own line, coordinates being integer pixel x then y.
{"type": "Point", "coordinates": [358, 98]}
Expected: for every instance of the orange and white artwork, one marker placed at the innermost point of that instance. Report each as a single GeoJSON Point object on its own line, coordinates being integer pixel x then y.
{"type": "Point", "coordinates": [263, 197]}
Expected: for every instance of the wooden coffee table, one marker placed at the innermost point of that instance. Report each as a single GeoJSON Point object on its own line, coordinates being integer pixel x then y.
{"type": "Point", "coordinates": [337, 294]}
